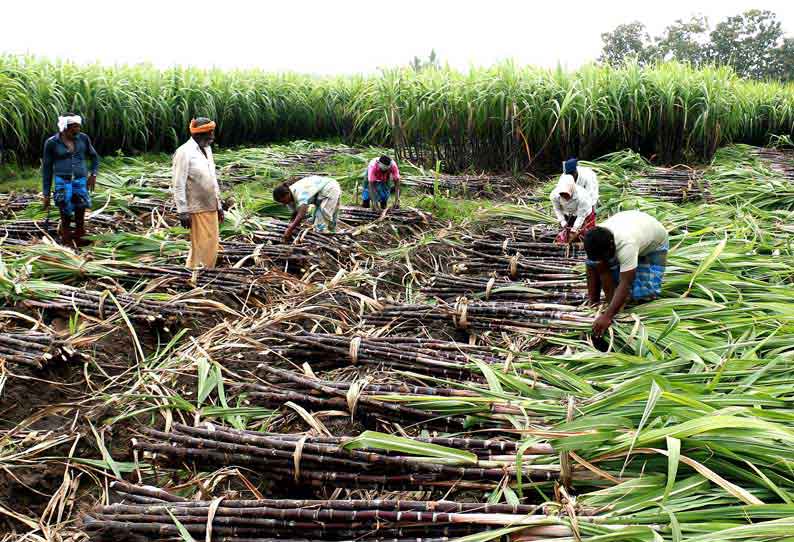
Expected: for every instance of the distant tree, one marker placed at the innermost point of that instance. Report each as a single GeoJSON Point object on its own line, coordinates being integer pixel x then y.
{"type": "Point", "coordinates": [785, 61]}
{"type": "Point", "coordinates": [749, 43]}
{"type": "Point", "coordinates": [432, 62]}
{"type": "Point", "coordinates": [627, 41]}
{"type": "Point", "coordinates": [685, 41]}
{"type": "Point", "coordinates": [752, 43]}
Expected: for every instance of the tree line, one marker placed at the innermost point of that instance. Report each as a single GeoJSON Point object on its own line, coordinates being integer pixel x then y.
{"type": "Point", "coordinates": [752, 43]}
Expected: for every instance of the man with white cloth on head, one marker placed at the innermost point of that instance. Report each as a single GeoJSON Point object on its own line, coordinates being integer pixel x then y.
{"type": "Point", "coordinates": [64, 162]}
{"type": "Point", "coordinates": [574, 209]}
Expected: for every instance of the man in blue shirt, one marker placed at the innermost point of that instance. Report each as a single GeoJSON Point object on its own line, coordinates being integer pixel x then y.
{"type": "Point", "coordinates": [64, 159]}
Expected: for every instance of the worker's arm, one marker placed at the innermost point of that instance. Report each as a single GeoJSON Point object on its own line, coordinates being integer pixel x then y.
{"type": "Point", "coordinates": [299, 215]}
{"type": "Point", "coordinates": [619, 298]}
{"type": "Point", "coordinates": [179, 183]}
{"type": "Point", "coordinates": [46, 172]}
{"type": "Point", "coordinates": [558, 211]}
{"type": "Point", "coordinates": [94, 161]}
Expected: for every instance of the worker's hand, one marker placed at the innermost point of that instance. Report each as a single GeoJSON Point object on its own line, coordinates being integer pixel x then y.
{"type": "Point", "coordinates": [46, 203]}
{"type": "Point", "coordinates": [288, 235]}
{"type": "Point", "coordinates": [184, 219]}
{"type": "Point", "coordinates": [396, 204]}
{"type": "Point", "coordinates": [573, 236]}
{"type": "Point", "coordinates": [221, 215]}
{"type": "Point", "coordinates": [91, 183]}
{"type": "Point", "coordinates": [601, 324]}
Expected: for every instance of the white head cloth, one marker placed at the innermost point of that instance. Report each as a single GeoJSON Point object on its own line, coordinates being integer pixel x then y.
{"type": "Point", "coordinates": [566, 185]}
{"type": "Point", "coordinates": [64, 122]}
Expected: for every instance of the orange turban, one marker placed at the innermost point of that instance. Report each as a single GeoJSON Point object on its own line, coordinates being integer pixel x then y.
{"type": "Point", "coordinates": [203, 129]}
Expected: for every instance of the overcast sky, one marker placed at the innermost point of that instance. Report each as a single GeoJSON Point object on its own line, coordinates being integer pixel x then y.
{"type": "Point", "coordinates": [338, 37]}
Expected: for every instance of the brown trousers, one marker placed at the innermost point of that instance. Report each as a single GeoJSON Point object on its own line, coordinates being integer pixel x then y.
{"type": "Point", "coordinates": [204, 239]}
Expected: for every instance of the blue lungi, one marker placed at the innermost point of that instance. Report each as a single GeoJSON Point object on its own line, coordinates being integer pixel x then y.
{"type": "Point", "coordinates": [383, 189]}
{"type": "Point", "coordinates": [71, 194]}
{"type": "Point", "coordinates": [648, 276]}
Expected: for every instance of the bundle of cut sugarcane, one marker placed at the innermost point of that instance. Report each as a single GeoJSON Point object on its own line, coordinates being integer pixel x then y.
{"type": "Point", "coordinates": [340, 461]}
{"type": "Point", "coordinates": [510, 247]}
{"type": "Point", "coordinates": [313, 157]}
{"type": "Point", "coordinates": [236, 252]}
{"type": "Point", "coordinates": [674, 185]}
{"type": "Point", "coordinates": [779, 161]}
{"type": "Point", "coordinates": [541, 318]}
{"type": "Point", "coordinates": [32, 348]}
{"type": "Point", "coordinates": [101, 304]}
{"type": "Point", "coordinates": [445, 359]}
{"type": "Point", "coordinates": [240, 282]}
{"type": "Point", "coordinates": [444, 409]}
{"type": "Point", "coordinates": [25, 229]}
{"type": "Point", "coordinates": [150, 512]}
{"type": "Point", "coordinates": [447, 287]}
{"type": "Point", "coordinates": [13, 203]}
{"type": "Point", "coordinates": [519, 231]}
{"type": "Point", "coordinates": [337, 244]}
{"type": "Point", "coordinates": [403, 216]}
{"type": "Point", "coordinates": [467, 184]}
{"type": "Point", "coordinates": [517, 266]}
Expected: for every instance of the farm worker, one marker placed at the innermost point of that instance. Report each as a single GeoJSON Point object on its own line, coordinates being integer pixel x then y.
{"type": "Point", "coordinates": [574, 210]}
{"type": "Point", "coordinates": [626, 257]}
{"type": "Point", "coordinates": [197, 194]}
{"type": "Point", "coordinates": [65, 158]}
{"type": "Point", "coordinates": [584, 177]}
{"type": "Point", "coordinates": [381, 174]}
{"type": "Point", "coordinates": [322, 192]}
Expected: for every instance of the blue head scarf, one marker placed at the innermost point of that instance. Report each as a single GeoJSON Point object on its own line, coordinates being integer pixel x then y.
{"type": "Point", "coordinates": [570, 166]}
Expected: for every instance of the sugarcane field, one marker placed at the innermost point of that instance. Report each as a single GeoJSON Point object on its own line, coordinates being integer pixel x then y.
{"type": "Point", "coordinates": [420, 304]}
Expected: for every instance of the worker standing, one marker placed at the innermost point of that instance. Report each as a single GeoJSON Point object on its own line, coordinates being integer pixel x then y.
{"type": "Point", "coordinates": [197, 194]}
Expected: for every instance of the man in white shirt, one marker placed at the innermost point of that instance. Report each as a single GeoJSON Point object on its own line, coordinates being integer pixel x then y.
{"type": "Point", "coordinates": [626, 258]}
{"type": "Point", "coordinates": [197, 194]}
{"type": "Point", "coordinates": [573, 208]}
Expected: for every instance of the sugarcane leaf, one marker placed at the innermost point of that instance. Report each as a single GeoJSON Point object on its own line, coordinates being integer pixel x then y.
{"type": "Point", "coordinates": [520, 464]}
{"type": "Point", "coordinates": [783, 494]}
{"type": "Point", "coordinates": [490, 376]}
{"type": "Point", "coordinates": [510, 496]}
{"type": "Point", "coordinates": [706, 263]}
{"type": "Point", "coordinates": [674, 452]}
{"type": "Point", "coordinates": [312, 421]}
{"type": "Point", "coordinates": [394, 443]}
{"type": "Point", "coordinates": [653, 397]}
{"type": "Point", "coordinates": [105, 454]}
{"type": "Point", "coordinates": [179, 527]}
{"type": "Point", "coordinates": [486, 536]}
{"type": "Point", "coordinates": [122, 466]}
{"type": "Point", "coordinates": [207, 380]}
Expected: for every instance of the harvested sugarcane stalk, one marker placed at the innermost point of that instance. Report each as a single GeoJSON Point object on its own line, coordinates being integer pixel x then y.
{"type": "Point", "coordinates": [279, 519]}
{"type": "Point", "coordinates": [239, 282]}
{"type": "Point", "coordinates": [342, 463]}
{"type": "Point", "coordinates": [517, 266]}
{"type": "Point", "coordinates": [780, 161]}
{"type": "Point", "coordinates": [450, 287]}
{"type": "Point", "coordinates": [11, 204]}
{"type": "Point", "coordinates": [356, 216]}
{"type": "Point", "coordinates": [444, 359]}
{"type": "Point", "coordinates": [538, 318]}
{"type": "Point", "coordinates": [674, 185]}
{"type": "Point", "coordinates": [535, 249]}
{"type": "Point", "coordinates": [474, 185]}
{"type": "Point", "coordinates": [339, 245]}
{"type": "Point", "coordinates": [32, 348]}
{"type": "Point", "coordinates": [99, 304]}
